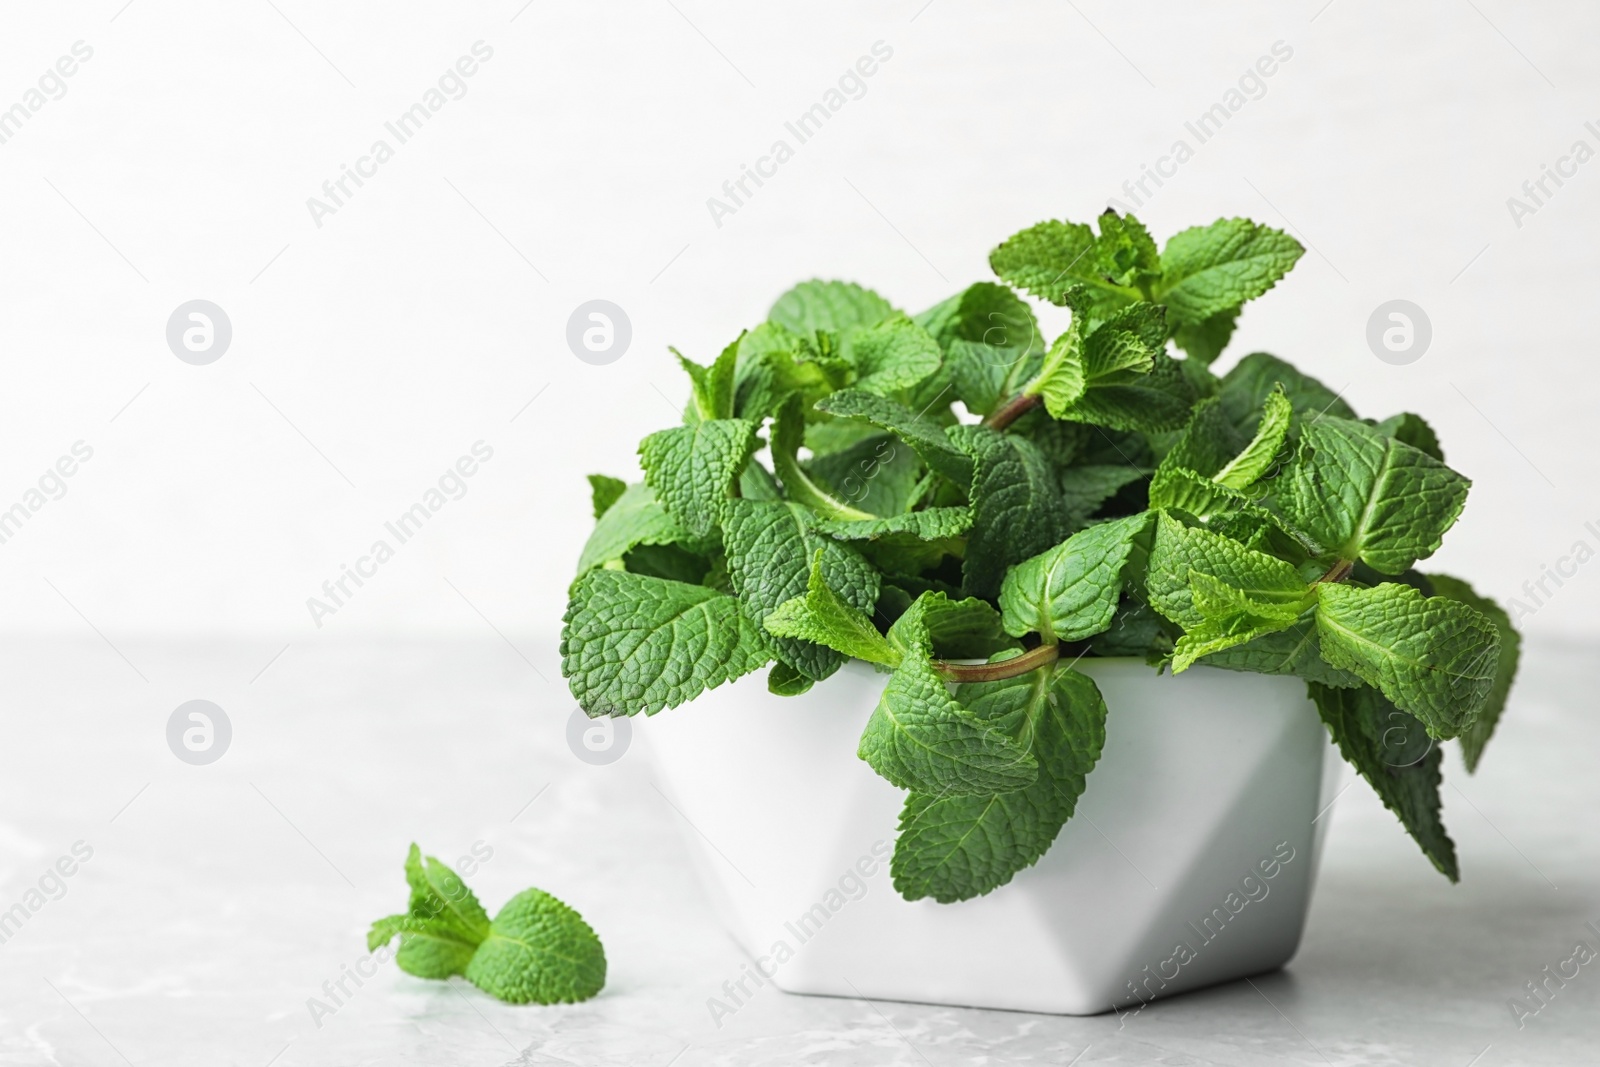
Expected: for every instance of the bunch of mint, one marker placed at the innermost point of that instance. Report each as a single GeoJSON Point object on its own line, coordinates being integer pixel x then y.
{"type": "Point", "coordinates": [537, 950]}
{"type": "Point", "coordinates": [1115, 499]}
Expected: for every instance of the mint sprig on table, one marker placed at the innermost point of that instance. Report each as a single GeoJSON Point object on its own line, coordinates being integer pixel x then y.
{"type": "Point", "coordinates": [536, 950]}
{"type": "Point", "coordinates": [972, 508]}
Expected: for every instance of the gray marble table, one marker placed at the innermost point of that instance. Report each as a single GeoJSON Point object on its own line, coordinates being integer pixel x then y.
{"type": "Point", "coordinates": [217, 901]}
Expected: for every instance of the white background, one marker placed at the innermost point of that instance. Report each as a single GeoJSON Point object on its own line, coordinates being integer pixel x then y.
{"type": "Point", "coordinates": [432, 307]}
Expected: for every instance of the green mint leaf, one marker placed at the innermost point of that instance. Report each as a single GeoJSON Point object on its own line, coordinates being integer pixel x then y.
{"type": "Point", "coordinates": [954, 847]}
{"type": "Point", "coordinates": [1229, 617]}
{"type": "Point", "coordinates": [1149, 403]}
{"type": "Point", "coordinates": [1432, 656]}
{"type": "Point", "coordinates": [634, 518]}
{"type": "Point", "coordinates": [713, 386]}
{"type": "Point", "coordinates": [991, 343]}
{"type": "Point", "coordinates": [788, 433]}
{"type": "Point", "coordinates": [668, 561]}
{"type": "Point", "coordinates": [1208, 443]}
{"type": "Point", "coordinates": [1180, 551]}
{"type": "Point", "coordinates": [693, 469]}
{"type": "Point", "coordinates": [1476, 736]}
{"type": "Point", "coordinates": [784, 681]}
{"type": "Point", "coordinates": [1261, 454]}
{"type": "Point", "coordinates": [1017, 510]}
{"type": "Point", "coordinates": [1125, 253]}
{"type": "Point", "coordinates": [539, 951]}
{"type": "Point", "coordinates": [1375, 737]}
{"type": "Point", "coordinates": [1362, 495]}
{"type": "Point", "coordinates": [1414, 431]}
{"type": "Point", "coordinates": [954, 629]}
{"type": "Point", "coordinates": [428, 948]}
{"type": "Point", "coordinates": [1204, 341]}
{"type": "Point", "coordinates": [1245, 389]}
{"type": "Point", "coordinates": [605, 491]}
{"type": "Point", "coordinates": [835, 306]}
{"type": "Point", "coordinates": [924, 435]}
{"type": "Point", "coordinates": [1052, 257]}
{"type": "Point", "coordinates": [443, 923]}
{"type": "Point", "coordinates": [920, 738]}
{"type": "Point", "coordinates": [771, 550]}
{"type": "Point", "coordinates": [892, 356]}
{"type": "Point", "coordinates": [1295, 650]}
{"type": "Point", "coordinates": [822, 616]}
{"type": "Point", "coordinates": [1070, 592]}
{"type": "Point", "coordinates": [878, 474]}
{"type": "Point", "coordinates": [633, 643]}
{"type": "Point", "coordinates": [774, 362]}
{"type": "Point", "coordinates": [1206, 270]}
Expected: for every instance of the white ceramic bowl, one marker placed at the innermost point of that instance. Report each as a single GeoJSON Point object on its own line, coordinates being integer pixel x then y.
{"type": "Point", "coordinates": [1189, 861]}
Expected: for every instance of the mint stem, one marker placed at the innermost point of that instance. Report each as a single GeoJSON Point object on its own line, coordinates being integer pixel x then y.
{"type": "Point", "coordinates": [1042, 656]}
{"type": "Point", "coordinates": [1338, 572]}
{"type": "Point", "coordinates": [1011, 411]}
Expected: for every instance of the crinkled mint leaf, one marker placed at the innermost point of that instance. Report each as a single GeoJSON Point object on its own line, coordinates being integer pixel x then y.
{"type": "Point", "coordinates": [1229, 617]}
{"type": "Point", "coordinates": [1414, 431]}
{"type": "Point", "coordinates": [693, 469]}
{"type": "Point", "coordinates": [1017, 510]}
{"type": "Point", "coordinates": [991, 343]}
{"type": "Point", "coordinates": [1260, 456]}
{"type": "Point", "coordinates": [1051, 257]}
{"type": "Point", "coordinates": [788, 434]}
{"type": "Point", "coordinates": [829, 305]}
{"type": "Point", "coordinates": [1363, 495]}
{"type": "Point", "coordinates": [539, 951]}
{"type": "Point", "coordinates": [1071, 591]}
{"type": "Point", "coordinates": [428, 948]}
{"type": "Point", "coordinates": [1181, 550]}
{"type": "Point", "coordinates": [922, 433]}
{"type": "Point", "coordinates": [770, 550]}
{"type": "Point", "coordinates": [929, 524]}
{"type": "Point", "coordinates": [442, 925]}
{"type": "Point", "coordinates": [634, 643]}
{"type": "Point", "coordinates": [822, 616]}
{"type": "Point", "coordinates": [878, 474]}
{"type": "Point", "coordinates": [712, 387]}
{"type": "Point", "coordinates": [604, 491]}
{"type": "Point", "coordinates": [1431, 656]}
{"type": "Point", "coordinates": [634, 518]}
{"type": "Point", "coordinates": [955, 848]}
{"type": "Point", "coordinates": [1206, 270]}
{"type": "Point", "coordinates": [774, 362]}
{"type": "Point", "coordinates": [920, 738]}
{"type": "Point", "coordinates": [1360, 720]}
{"type": "Point", "coordinates": [892, 356]}
{"type": "Point", "coordinates": [1476, 736]}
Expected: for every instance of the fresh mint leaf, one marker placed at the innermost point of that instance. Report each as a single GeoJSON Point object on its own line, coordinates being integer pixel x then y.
{"type": "Point", "coordinates": [539, 951]}
{"type": "Point", "coordinates": [1362, 495]}
{"type": "Point", "coordinates": [1261, 454]}
{"type": "Point", "coordinates": [1050, 258]}
{"type": "Point", "coordinates": [1431, 656]}
{"type": "Point", "coordinates": [878, 474]}
{"type": "Point", "coordinates": [1207, 270]}
{"type": "Point", "coordinates": [1204, 341]}
{"type": "Point", "coordinates": [634, 518]}
{"type": "Point", "coordinates": [1070, 592]}
{"type": "Point", "coordinates": [784, 681]}
{"type": "Point", "coordinates": [693, 469]}
{"type": "Point", "coordinates": [954, 847]}
{"type": "Point", "coordinates": [1476, 736]}
{"type": "Point", "coordinates": [605, 491]}
{"type": "Point", "coordinates": [929, 524]}
{"type": "Point", "coordinates": [1017, 510]}
{"type": "Point", "coordinates": [1116, 374]}
{"type": "Point", "coordinates": [923, 434]}
{"type": "Point", "coordinates": [829, 305]}
{"type": "Point", "coordinates": [822, 616]}
{"type": "Point", "coordinates": [774, 362]}
{"type": "Point", "coordinates": [771, 550]}
{"type": "Point", "coordinates": [1180, 551]}
{"type": "Point", "coordinates": [1295, 650]}
{"type": "Point", "coordinates": [1085, 489]}
{"type": "Point", "coordinates": [892, 356]}
{"type": "Point", "coordinates": [788, 433]}
{"type": "Point", "coordinates": [1360, 720]}
{"type": "Point", "coordinates": [920, 738]}
{"type": "Point", "coordinates": [1229, 617]}
{"type": "Point", "coordinates": [713, 386]}
{"type": "Point", "coordinates": [991, 343]}
{"type": "Point", "coordinates": [442, 925]}
{"type": "Point", "coordinates": [634, 643]}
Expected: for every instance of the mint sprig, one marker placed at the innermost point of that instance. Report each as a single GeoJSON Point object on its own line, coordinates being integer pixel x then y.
{"type": "Point", "coordinates": [535, 950]}
{"type": "Point", "coordinates": [969, 505]}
